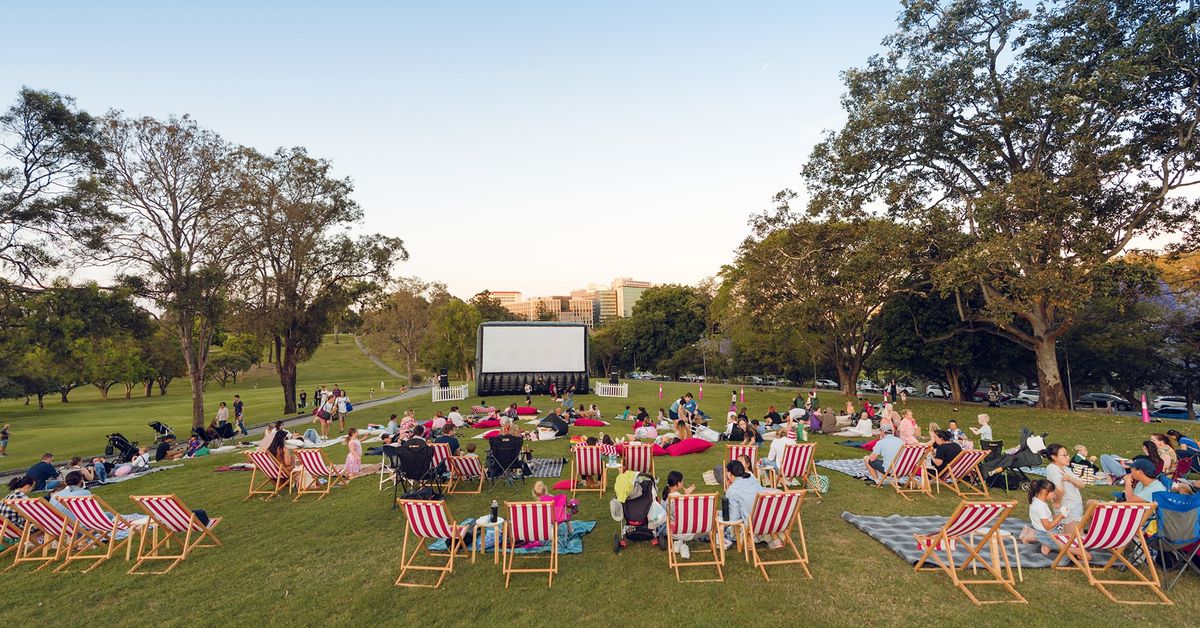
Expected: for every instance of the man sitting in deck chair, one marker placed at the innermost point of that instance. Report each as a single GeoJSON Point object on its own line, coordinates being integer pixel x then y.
{"type": "Point", "coordinates": [414, 464]}
{"type": "Point", "coordinates": [880, 459]}
{"type": "Point", "coordinates": [504, 457]}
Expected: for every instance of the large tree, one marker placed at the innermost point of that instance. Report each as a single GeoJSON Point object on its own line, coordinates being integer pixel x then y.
{"type": "Point", "coordinates": [1034, 144]}
{"type": "Point", "coordinates": [450, 342]}
{"type": "Point", "coordinates": [171, 183]}
{"type": "Point", "coordinates": [666, 319]}
{"type": "Point", "coordinates": [297, 219]}
{"type": "Point", "coordinates": [401, 322]}
{"type": "Point", "coordinates": [490, 308]}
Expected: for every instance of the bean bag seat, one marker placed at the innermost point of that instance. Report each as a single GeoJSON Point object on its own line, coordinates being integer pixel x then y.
{"type": "Point", "coordinates": [688, 446]}
{"type": "Point", "coordinates": [590, 423]}
{"type": "Point", "coordinates": [491, 434]}
{"type": "Point", "coordinates": [563, 485]}
{"type": "Point", "coordinates": [526, 411]}
{"type": "Point", "coordinates": [659, 451]}
{"type": "Point", "coordinates": [487, 423]}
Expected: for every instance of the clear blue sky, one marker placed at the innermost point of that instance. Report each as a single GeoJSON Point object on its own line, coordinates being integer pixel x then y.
{"type": "Point", "coordinates": [512, 145]}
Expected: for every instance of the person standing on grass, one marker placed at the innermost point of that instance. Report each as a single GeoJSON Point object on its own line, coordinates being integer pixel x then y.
{"type": "Point", "coordinates": [222, 414]}
{"type": "Point", "coordinates": [237, 414]}
{"type": "Point", "coordinates": [303, 400]}
{"type": "Point", "coordinates": [342, 403]}
{"type": "Point", "coordinates": [4, 440]}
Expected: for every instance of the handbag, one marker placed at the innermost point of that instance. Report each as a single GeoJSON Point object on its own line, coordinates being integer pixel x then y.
{"type": "Point", "coordinates": [818, 483]}
{"type": "Point", "coordinates": [322, 414]}
{"type": "Point", "coordinates": [349, 407]}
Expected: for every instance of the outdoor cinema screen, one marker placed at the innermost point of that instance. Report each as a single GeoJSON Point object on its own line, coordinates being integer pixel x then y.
{"type": "Point", "coordinates": [533, 348]}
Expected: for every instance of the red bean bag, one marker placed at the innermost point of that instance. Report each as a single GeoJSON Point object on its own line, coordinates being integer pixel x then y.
{"type": "Point", "coordinates": [491, 434]}
{"type": "Point", "coordinates": [688, 446]}
{"type": "Point", "coordinates": [487, 423]}
{"type": "Point", "coordinates": [563, 485]}
{"type": "Point", "coordinates": [654, 449]}
{"type": "Point", "coordinates": [590, 423]}
{"type": "Point", "coordinates": [526, 410]}
{"type": "Point", "coordinates": [659, 451]}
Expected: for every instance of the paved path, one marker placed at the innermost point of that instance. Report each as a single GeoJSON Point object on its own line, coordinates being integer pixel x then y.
{"type": "Point", "coordinates": [376, 361]}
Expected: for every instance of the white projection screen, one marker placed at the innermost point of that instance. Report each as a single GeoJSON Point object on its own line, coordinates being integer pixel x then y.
{"type": "Point", "coordinates": [532, 348]}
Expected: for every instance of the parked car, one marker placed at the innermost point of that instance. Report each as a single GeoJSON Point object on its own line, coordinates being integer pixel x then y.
{"type": "Point", "coordinates": [938, 391]}
{"type": "Point", "coordinates": [905, 388]}
{"type": "Point", "coordinates": [1173, 402]}
{"type": "Point", "coordinates": [869, 387]}
{"type": "Point", "coordinates": [1017, 401]}
{"type": "Point", "coordinates": [1033, 395]}
{"type": "Point", "coordinates": [755, 380]}
{"type": "Point", "coordinates": [1170, 413]}
{"type": "Point", "coordinates": [827, 383]}
{"type": "Point", "coordinates": [1105, 400]}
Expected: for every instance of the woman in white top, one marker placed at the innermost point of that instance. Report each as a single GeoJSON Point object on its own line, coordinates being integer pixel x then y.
{"type": "Point", "coordinates": [1066, 485]}
{"type": "Point", "coordinates": [340, 402]}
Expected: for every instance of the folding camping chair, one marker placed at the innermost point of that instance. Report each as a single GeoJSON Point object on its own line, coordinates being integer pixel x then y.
{"type": "Point", "coordinates": [588, 460]}
{"type": "Point", "coordinates": [387, 473]}
{"type": "Point", "coordinates": [322, 476]}
{"type": "Point", "coordinates": [504, 460]}
{"type": "Point", "coordinates": [1182, 468]}
{"type": "Point", "coordinates": [798, 464]}
{"type": "Point", "coordinates": [910, 465]}
{"type": "Point", "coordinates": [413, 462]}
{"type": "Point", "coordinates": [639, 457]}
{"type": "Point", "coordinates": [1114, 527]}
{"type": "Point", "coordinates": [464, 469]}
{"type": "Point", "coordinates": [171, 524]}
{"type": "Point", "coordinates": [529, 522]}
{"type": "Point", "coordinates": [777, 515]}
{"type": "Point", "coordinates": [692, 516]}
{"type": "Point", "coordinates": [971, 521]}
{"type": "Point", "coordinates": [41, 517]}
{"type": "Point", "coordinates": [1178, 528]}
{"type": "Point", "coordinates": [958, 474]}
{"type": "Point", "coordinates": [426, 521]}
{"type": "Point", "coordinates": [273, 475]}
{"type": "Point", "coordinates": [100, 527]}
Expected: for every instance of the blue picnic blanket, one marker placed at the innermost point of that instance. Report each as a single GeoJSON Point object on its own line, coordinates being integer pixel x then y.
{"type": "Point", "coordinates": [567, 543]}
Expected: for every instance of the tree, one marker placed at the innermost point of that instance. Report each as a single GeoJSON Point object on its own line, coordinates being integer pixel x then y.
{"type": "Point", "coordinates": [610, 344]}
{"type": "Point", "coordinates": [40, 374]}
{"type": "Point", "coordinates": [544, 313]}
{"type": "Point", "coordinates": [49, 197]}
{"type": "Point", "coordinates": [106, 362]}
{"type": "Point", "coordinates": [248, 345]}
{"type": "Point", "coordinates": [171, 185]}
{"type": "Point", "coordinates": [162, 358]}
{"type": "Point", "coordinates": [490, 309]}
{"type": "Point", "coordinates": [298, 215]}
{"type": "Point", "coordinates": [451, 339]}
{"type": "Point", "coordinates": [666, 319]}
{"type": "Point", "coordinates": [1031, 146]}
{"type": "Point", "coordinates": [224, 366]}
{"type": "Point", "coordinates": [401, 321]}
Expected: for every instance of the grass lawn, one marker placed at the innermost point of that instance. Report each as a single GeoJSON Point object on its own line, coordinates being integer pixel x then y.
{"type": "Point", "coordinates": [334, 561]}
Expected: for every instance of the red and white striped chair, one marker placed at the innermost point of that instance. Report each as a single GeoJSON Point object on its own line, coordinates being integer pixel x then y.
{"type": "Point", "coordinates": [798, 463]}
{"type": "Point", "coordinates": [530, 522]}
{"type": "Point", "coordinates": [1114, 527]}
{"type": "Point", "coordinates": [44, 522]}
{"type": "Point", "coordinates": [10, 534]}
{"type": "Point", "coordinates": [97, 526]}
{"type": "Point", "coordinates": [428, 520]}
{"type": "Point", "coordinates": [776, 516]}
{"type": "Point", "coordinates": [172, 525]}
{"type": "Point", "coordinates": [441, 453]}
{"type": "Point", "coordinates": [588, 460]}
{"type": "Point", "coordinates": [317, 469]}
{"type": "Point", "coordinates": [973, 526]}
{"type": "Point", "coordinates": [907, 473]}
{"type": "Point", "coordinates": [608, 450]}
{"type": "Point", "coordinates": [689, 516]}
{"type": "Point", "coordinates": [464, 469]}
{"type": "Point", "coordinates": [750, 451]}
{"type": "Point", "coordinates": [958, 475]}
{"type": "Point", "coordinates": [273, 475]}
{"type": "Point", "coordinates": [638, 457]}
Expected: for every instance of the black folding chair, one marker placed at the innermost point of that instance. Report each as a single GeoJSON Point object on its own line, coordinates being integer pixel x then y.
{"type": "Point", "coordinates": [413, 462]}
{"type": "Point", "coordinates": [504, 460]}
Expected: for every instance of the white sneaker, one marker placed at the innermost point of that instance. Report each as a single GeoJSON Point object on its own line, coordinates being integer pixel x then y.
{"type": "Point", "coordinates": [775, 544]}
{"type": "Point", "coordinates": [683, 550]}
{"type": "Point", "coordinates": [728, 543]}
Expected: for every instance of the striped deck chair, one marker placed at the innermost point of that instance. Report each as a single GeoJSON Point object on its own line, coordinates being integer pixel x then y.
{"type": "Point", "coordinates": [530, 522]}
{"type": "Point", "coordinates": [317, 469]}
{"type": "Point", "coordinates": [588, 460]}
{"type": "Point", "coordinates": [690, 516]}
{"type": "Point", "coordinates": [10, 535]}
{"type": "Point", "coordinates": [172, 524]}
{"type": "Point", "coordinates": [609, 451]}
{"type": "Point", "coordinates": [97, 526]}
{"type": "Point", "coordinates": [427, 521]}
{"type": "Point", "coordinates": [798, 463]}
{"type": "Point", "coordinates": [464, 469]}
{"type": "Point", "coordinates": [273, 475]}
{"type": "Point", "coordinates": [750, 451]}
{"type": "Point", "coordinates": [777, 516]}
{"type": "Point", "coordinates": [44, 520]}
{"type": "Point", "coordinates": [638, 457]}
{"type": "Point", "coordinates": [982, 519]}
{"type": "Point", "coordinates": [958, 475]}
{"type": "Point", "coordinates": [1114, 527]}
{"type": "Point", "coordinates": [907, 473]}
{"type": "Point", "coordinates": [441, 453]}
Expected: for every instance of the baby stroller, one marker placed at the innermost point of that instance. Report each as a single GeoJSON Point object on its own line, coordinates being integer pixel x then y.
{"type": "Point", "coordinates": [121, 447]}
{"type": "Point", "coordinates": [1004, 469]}
{"type": "Point", "coordinates": [161, 431]}
{"type": "Point", "coordinates": [635, 521]}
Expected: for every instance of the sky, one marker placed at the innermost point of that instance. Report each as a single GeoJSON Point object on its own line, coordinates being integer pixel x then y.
{"type": "Point", "coordinates": [522, 146]}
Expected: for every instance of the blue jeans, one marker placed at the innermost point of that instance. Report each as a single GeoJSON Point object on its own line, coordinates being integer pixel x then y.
{"type": "Point", "coordinates": [1112, 466]}
{"type": "Point", "coordinates": [242, 427]}
{"type": "Point", "coordinates": [101, 471]}
{"type": "Point", "coordinates": [52, 484]}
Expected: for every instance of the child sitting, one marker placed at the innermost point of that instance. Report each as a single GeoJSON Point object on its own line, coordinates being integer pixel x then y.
{"type": "Point", "coordinates": [562, 506]}
{"type": "Point", "coordinates": [1044, 521]}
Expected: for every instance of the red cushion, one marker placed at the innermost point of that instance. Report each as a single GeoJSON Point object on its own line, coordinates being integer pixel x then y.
{"type": "Point", "coordinates": [590, 423]}
{"type": "Point", "coordinates": [562, 485]}
{"type": "Point", "coordinates": [688, 446]}
{"type": "Point", "coordinates": [491, 434]}
{"type": "Point", "coordinates": [526, 410]}
{"type": "Point", "coordinates": [487, 423]}
{"type": "Point", "coordinates": [658, 450]}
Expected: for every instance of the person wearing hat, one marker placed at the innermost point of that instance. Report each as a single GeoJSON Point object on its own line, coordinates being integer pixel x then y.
{"type": "Point", "coordinates": [881, 457]}
{"type": "Point", "coordinates": [1141, 483]}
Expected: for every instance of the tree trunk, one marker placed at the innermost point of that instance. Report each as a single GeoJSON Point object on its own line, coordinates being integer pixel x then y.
{"type": "Point", "coordinates": [103, 391]}
{"type": "Point", "coordinates": [163, 382]}
{"type": "Point", "coordinates": [149, 386]}
{"type": "Point", "coordinates": [337, 334]}
{"type": "Point", "coordinates": [286, 367]}
{"type": "Point", "coordinates": [408, 367]}
{"type": "Point", "coordinates": [1053, 396]}
{"type": "Point", "coordinates": [65, 391]}
{"type": "Point", "coordinates": [849, 386]}
{"type": "Point", "coordinates": [954, 379]}
{"type": "Point", "coordinates": [128, 389]}
{"type": "Point", "coordinates": [41, 400]}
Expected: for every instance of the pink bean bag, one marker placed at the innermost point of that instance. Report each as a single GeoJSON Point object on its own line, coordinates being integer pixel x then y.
{"type": "Point", "coordinates": [487, 423]}
{"type": "Point", "coordinates": [491, 434]}
{"type": "Point", "coordinates": [563, 485]}
{"type": "Point", "coordinates": [688, 446]}
{"type": "Point", "coordinates": [654, 449]}
{"type": "Point", "coordinates": [526, 410]}
{"type": "Point", "coordinates": [590, 423]}
{"type": "Point", "coordinates": [659, 451]}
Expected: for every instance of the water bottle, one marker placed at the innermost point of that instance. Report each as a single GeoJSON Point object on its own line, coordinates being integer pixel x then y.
{"type": "Point", "coordinates": [724, 509]}
{"type": "Point", "coordinates": [495, 511]}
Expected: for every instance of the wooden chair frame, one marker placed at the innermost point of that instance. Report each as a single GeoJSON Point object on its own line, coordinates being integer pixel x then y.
{"type": "Point", "coordinates": [676, 562]}
{"type": "Point", "coordinates": [11, 533]}
{"type": "Point", "coordinates": [943, 542]}
{"type": "Point", "coordinates": [577, 478]}
{"type": "Point", "coordinates": [958, 482]}
{"type": "Point", "coordinates": [196, 535]}
{"type": "Point", "coordinates": [30, 551]}
{"type": "Point", "coordinates": [793, 527]}
{"type": "Point", "coordinates": [457, 476]}
{"type": "Point", "coordinates": [1077, 539]}
{"type": "Point", "coordinates": [277, 482]}
{"type": "Point", "coordinates": [919, 473]}
{"type": "Point", "coordinates": [509, 538]}
{"type": "Point", "coordinates": [87, 538]}
{"type": "Point", "coordinates": [408, 559]}
{"type": "Point", "coordinates": [332, 474]}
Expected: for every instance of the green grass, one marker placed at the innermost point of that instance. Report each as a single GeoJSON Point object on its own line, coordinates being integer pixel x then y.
{"type": "Point", "coordinates": [334, 561]}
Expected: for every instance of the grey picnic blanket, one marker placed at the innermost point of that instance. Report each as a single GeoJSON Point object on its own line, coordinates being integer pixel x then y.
{"type": "Point", "coordinates": [896, 533]}
{"type": "Point", "coordinates": [852, 467]}
{"type": "Point", "coordinates": [546, 467]}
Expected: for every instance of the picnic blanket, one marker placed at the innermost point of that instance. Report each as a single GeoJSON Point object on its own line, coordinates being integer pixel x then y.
{"type": "Point", "coordinates": [896, 533]}
{"type": "Point", "coordinates": [567, 543]}
{"type": "Point", "coordinates": [857, 444]}
{"type": "Point", "coordinates": [114, 479]}
{"type": "Point", "coordinates": [546, 467]}
{"type": "Point", "coordinates": [852, 467]}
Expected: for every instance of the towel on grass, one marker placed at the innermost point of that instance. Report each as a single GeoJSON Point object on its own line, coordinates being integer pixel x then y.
{"type": "Point", "coordinates": [567, 543]}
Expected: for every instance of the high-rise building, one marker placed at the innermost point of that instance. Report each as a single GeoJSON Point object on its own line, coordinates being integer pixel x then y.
{"type": "Point", "coordinates": [606, 301]}
{"type": "Point", "coordinates": [628, 292]}
{"type": "Point", "coordinates": [506, 296]}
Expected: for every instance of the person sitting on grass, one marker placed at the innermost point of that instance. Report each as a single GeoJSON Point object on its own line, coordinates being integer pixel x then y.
{"type": "Point", "coordinates": [1043, 522]}
{"type": "Point", "coordinates": [772, 416]}
{"type": "Point", "coordinates": [1141, 483]}
{"type": "Point", "coordinates": [167, 450]}
{"type": "Point", "coordinates": [44, 475]}
{"type": "Point", "coordinates": [1117, 467]}
{"type": "Point", "coordinates": [880, 459]}
{"type": "Point", "coordinates": [88, 473]}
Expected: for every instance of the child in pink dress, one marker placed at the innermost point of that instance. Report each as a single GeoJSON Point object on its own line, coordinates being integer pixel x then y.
{"type": "Point", "coordinates": [354, 457]}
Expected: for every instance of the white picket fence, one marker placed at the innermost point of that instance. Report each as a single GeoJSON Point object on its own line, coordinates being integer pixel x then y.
{"type": "Point", "coordinates": [452, 393]}
{"type": "Point", "coordinates": [612, 390]}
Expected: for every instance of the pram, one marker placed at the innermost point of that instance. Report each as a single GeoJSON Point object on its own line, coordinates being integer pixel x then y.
{"type": "Point", "coordinates": [161, 431]}
{"type": "Point", "coordinates": [214, 437]}
{"type": "Point", "coordinates": [635, 524]}
{"type": "Point", "coordinates": [121, 447]}
{"type": "Point", "coordinates": [1005, 470]}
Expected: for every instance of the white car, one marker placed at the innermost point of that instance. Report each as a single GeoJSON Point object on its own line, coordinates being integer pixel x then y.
{"type": "Point", "coordinates": [827, 383]}
{"type": "Point", "coordinates": [1173, 402]}
{"type": "Point", "coordinates": [1033, 395]}
{"type": "Point", "coordinates": [937, 391]}
{"type": "Point", "coordinates": [869, 387]}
